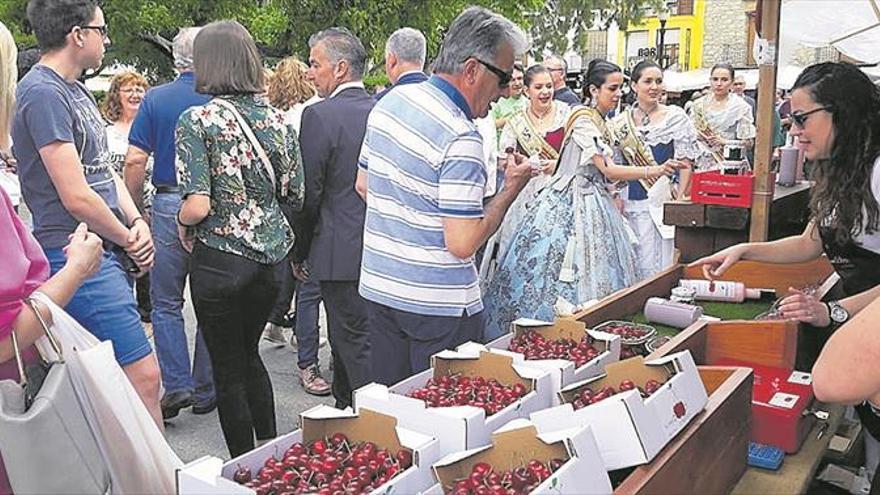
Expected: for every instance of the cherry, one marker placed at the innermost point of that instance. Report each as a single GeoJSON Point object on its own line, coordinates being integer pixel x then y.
{"type": "Point", "coordinates": [242, 475]}
{"type": "Point", "coordinates": [555, 464]}
{"type": "Point", "coordinates": [338, 439]}
{"type": "Point", "coordinates": [404, 458]}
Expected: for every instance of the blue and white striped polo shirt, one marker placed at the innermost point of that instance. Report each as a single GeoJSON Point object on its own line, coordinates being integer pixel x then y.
{"type": "Point", "coordinates": [424, 161]}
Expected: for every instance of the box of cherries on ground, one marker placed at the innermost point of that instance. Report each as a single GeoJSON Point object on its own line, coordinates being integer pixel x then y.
{"type": "Point", "coordinates": [564, 347]}
{"type": "Point", "coordinates": [335, 452]}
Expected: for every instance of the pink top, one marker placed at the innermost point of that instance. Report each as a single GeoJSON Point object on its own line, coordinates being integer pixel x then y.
{"type": "Point", "coordinates": [23, 266]}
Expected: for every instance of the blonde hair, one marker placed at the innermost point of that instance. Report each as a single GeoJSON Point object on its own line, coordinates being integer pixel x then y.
{"type": "Point", "coordinates": [112, 107]}
{"type": "Point", "coordinates": [288, 85]}
{"type": "Point", "coordinates": [8, 77]}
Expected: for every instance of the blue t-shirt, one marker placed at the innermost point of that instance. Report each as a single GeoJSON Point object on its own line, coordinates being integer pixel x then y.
{"type": "Point", "coordinates": [153, 128]}
{"type": "Point", "coordinates": [51, 109]}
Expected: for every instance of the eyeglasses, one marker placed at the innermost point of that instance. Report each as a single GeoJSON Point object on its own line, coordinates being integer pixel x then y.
{"type": "Point", "coordinates": [100, 29]}
{"type": "Point", "coordinates": [503, 77]}
{"type": "Point", "coordinates": [800, 118]}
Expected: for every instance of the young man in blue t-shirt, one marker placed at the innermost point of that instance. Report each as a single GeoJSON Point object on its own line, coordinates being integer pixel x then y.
{"type": "Point", "coordinates": [64, 168]}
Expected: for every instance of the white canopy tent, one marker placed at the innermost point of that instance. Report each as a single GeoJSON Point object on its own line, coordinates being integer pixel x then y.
{"type": "Point", "coordinates": [850, 26]}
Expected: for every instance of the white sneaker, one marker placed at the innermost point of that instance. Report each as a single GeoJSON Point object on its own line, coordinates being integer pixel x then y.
{"type": "Point", "coordinates": [274, 333]}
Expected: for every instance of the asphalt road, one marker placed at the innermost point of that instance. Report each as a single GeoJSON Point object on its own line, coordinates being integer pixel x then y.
{"type": "Point", "coordinates": [193, 436]}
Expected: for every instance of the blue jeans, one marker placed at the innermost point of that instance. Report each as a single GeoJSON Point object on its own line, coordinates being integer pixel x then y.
{"type": "Point", "coordinates": [308, 300]}
{"type": "Point", "coordinates": [168, 278]}
{"type": "Point", "coordinates": [105, 306]}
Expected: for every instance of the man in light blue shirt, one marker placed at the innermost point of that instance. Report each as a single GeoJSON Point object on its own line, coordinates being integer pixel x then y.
{"type": "Point", "coordinates": [422, 174]}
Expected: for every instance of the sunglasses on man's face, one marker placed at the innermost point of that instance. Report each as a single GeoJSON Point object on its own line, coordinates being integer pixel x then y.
{"type": "Point", "coordinates": [800, 118]}
{"type": "Point", "coordinates": [503, 77]}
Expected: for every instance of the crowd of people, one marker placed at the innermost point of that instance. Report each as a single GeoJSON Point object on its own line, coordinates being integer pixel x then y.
{"type": "Point", "coordinates": [464, 196]}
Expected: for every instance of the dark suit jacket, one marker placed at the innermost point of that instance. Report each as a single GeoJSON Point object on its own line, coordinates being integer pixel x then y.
{"type": "Point", "coordinates": [411, 78]}
{"type": "Point", "coordinates": [330, 229]}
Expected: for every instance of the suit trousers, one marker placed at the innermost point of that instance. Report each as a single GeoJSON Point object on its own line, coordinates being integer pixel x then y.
{"type": "Point", "coordinates": [349, 337]}
{"type": "Point", "coordinates": [232, 296]}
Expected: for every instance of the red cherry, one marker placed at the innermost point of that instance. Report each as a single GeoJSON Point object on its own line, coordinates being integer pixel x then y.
{"type": "Point", "coordinates": [555, 464]}
{"type": "Point", "coordinates": [242, 475]}
{"type": "Point", "coordinates": [338, 439]}
{"type": "Point", "coordinates": [319, 446]}
{"type": "Point", "coordinates": [404, 458]}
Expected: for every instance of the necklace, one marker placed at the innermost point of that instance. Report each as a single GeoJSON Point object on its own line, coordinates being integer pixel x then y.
{"type": "Point", "coordinates": [540, 119]}
{"type": "Point", "coordinates": [646, 114]}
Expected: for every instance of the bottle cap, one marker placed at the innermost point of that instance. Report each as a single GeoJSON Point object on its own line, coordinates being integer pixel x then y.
{"type": "Point", "coordinates": [753, 293]}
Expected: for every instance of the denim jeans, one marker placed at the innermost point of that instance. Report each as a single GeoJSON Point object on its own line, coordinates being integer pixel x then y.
{"type": "Point", "coordinates": [168, 279]}
{"type": "Point", "coordinates": [232, 296]}
{"type": "Point", "coordinates": [308, 302]}
{"type": "Point", "coordinates": [104, 305]}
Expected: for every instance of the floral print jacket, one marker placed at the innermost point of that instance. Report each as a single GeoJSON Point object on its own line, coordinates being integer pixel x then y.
{"type": "Point", "coordinates": [216, 159]}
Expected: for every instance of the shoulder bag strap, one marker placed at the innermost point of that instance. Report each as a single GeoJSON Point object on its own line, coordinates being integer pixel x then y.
{"type": "Point", "coordinates": [249, 133]}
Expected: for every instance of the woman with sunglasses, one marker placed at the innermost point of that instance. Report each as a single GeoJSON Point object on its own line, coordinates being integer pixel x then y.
{"type": "Point", "coordinates": [835, 113]}
{"type": "Point", "coordinates": [723, 120]}
{"type": "Point", "coordinates": [573, 243]}
{"type": "Point", "coordinates": [535, 131]}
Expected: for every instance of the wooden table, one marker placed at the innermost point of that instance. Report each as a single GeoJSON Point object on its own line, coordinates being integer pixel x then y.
{"type": "Point", "coordinates": [704, 229]}
{"type": "Point", "coordinates": [798, 470]}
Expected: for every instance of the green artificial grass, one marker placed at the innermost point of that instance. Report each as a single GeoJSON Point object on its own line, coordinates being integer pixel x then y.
{"type": "Point", "coordinates": [747, 310]}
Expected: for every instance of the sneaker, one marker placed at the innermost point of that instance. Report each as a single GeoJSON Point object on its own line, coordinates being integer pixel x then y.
{"type": "Point", "coordinates": [313, 382]}
{"type": "Point", "coordinates": [288, 320]}
{"type": "Point", "coordinates": [274, 333]}
{"type": "Point", "coordinates": [175, 401]}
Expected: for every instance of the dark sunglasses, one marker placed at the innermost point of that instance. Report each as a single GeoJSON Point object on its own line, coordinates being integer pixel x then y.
{"type": "Point", "coordinates": [100, 29]}
{"type": "Point", "coordinates": [800, 118]}
{"type": "Point", "coordinates": [503, 77]}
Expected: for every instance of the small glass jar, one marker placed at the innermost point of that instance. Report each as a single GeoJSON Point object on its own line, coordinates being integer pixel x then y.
{"type": "Point", "coordinates": [684, 295]}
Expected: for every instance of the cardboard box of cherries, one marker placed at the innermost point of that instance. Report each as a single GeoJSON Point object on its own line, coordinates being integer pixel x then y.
{"type": "Point", "coordinates": [464, 397]}
{"type": "Point", "coordinates": [564, 347]}
{"type": "Point", "coordinates": [523, 460]}
{"type": "Point", "coordinates": [635, 407]}
{"type": "Point", "coordinates": [335, 451]}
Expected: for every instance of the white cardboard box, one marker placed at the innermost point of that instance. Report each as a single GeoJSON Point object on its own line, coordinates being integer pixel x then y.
{"type": "Point", "coordinates": [463, 427]}
{"type": "Point", "coordinates": [210, 476]}
{"type": "Point", "coordinates": [631, 430]}
{"type": "Point", "coordinates": [564, 371]}
{"type": "Point", "coordinates": [519, 441]}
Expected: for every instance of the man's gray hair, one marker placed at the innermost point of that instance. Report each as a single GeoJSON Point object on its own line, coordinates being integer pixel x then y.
{"type": "Point", "coordinates": [341, 44]}
{"type": "Point", "coordinates": [182, 48]}
{"type": "Point", "coordinates": [556, 59]}
{"type": "Point", "coordinates": [480, 33]}
{"type": "Point", "coordinates": [409, 45]}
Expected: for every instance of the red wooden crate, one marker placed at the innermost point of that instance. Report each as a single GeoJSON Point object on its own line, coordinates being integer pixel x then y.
{"type": "Point", "coordinates": [714, 188]}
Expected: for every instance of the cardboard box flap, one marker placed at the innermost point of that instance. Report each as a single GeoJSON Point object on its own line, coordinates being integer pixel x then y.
{"type": "Point", "coordinates": [510, 448]}
{"type": "Point", "coordinates": [562, 328]}
{"type": "Point", "coordinates": [367, 426]}
{"type": "Point", "coordinates": [635, 369]}
{"type": "Point", "coordinates": [487, 365]}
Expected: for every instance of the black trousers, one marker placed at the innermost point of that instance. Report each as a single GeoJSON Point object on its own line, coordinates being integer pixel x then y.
{"type": "Point", "coordinates": [232, 296]}
{"type": "Point", "coordinates": [284, 297]}
{"type": "Point", "coordinates": [349, 337]}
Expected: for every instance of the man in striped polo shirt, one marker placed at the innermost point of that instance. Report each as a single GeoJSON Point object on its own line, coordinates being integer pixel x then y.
{"type": "Point", "coordinates": [422, 174]}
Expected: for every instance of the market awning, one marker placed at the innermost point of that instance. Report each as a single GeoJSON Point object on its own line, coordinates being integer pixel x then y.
{"type": "Point", "coordinates": [850, 26]}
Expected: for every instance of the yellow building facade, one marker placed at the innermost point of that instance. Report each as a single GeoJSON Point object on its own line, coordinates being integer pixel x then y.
{"type": "Point", "coordinates": [683, 37]}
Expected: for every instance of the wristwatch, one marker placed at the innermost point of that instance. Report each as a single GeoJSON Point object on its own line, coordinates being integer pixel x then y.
{"type": "Point", "coordinates": [836, 312]}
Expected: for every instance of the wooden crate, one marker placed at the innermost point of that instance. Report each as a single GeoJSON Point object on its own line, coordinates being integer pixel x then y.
{"type": "Point", "coordinates": [709, 456]}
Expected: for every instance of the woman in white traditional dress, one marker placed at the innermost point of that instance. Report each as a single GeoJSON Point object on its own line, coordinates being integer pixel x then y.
{"type": "Point", "coordinates": [724, 122]}
{"type": "Point", "coordinates": [649, 133]}
{"type": "Point", "coordinates": [573, 242]}
{"type": "Point", "coordinates": [537, 132]}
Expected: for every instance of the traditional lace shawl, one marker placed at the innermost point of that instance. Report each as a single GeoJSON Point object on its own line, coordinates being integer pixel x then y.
{"type": "Point", "coordinates": [734, 121]}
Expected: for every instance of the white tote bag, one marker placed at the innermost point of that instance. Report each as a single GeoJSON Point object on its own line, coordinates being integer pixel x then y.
{"type": "Point", "coordinates": [134, 449]}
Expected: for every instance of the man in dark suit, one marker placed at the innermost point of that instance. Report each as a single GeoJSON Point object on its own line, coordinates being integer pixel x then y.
{"type": "Point", "coordinates": [330, 228]}
{"type": "Point", "coordinates": [404, 58]}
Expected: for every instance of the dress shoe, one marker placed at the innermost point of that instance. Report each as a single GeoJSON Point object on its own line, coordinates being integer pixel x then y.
{"type": "Point", "coordinates": [205, 407]}
{"type": "Point", "coordinates": [175, 401]}
{"type": "Point", "coordinates": [274, 333]}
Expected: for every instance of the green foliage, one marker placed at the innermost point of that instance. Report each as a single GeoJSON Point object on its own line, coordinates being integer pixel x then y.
{"type": "Point", "coordinates": [141, 30]}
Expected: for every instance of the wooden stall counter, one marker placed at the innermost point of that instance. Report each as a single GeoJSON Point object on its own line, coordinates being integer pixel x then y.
{"type": "Point", "coordinates": [702, 229]}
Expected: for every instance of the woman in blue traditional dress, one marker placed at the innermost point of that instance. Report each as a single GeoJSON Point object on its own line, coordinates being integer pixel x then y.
{"type": "Point", "coordinates": [648, 133]}
{"type": "Point", "coordinates": [572, 243]}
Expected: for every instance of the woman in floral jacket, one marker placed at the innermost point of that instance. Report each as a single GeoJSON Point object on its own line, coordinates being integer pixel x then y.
{"type": "Point", "coordinates": [239, 167]}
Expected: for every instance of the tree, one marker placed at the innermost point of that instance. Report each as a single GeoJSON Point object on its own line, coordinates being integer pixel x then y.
{"type": "Point", "coordinates": [561, 25]}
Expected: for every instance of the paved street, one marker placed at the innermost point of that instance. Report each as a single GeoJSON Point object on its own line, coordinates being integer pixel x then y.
{"type": "Point", "coordinates": [194, 436]}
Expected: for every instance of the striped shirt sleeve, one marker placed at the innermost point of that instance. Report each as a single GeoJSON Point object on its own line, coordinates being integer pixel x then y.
{"type": "Point", "coordinates": [462, 178]}
{"type": "Point", "coordinates": [364, 157]}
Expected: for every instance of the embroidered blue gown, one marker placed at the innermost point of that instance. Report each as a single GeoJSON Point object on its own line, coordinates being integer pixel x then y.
{"type": "Point", "coordinates": [572, 242]}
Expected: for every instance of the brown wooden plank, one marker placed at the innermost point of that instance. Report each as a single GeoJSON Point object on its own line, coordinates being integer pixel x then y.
{"type": "Point", "coordinates": [631, 300]}
{"type": "Point", "coordinates": [694, 243]}
{"type": "Point", "coordinates": [776, 276]}
{"type": "Point", "coordinates": [692, 338]}
{"type": "Point", "coordinates": [768, 343]}
{"type": "Point", "coordinates": [709, 455]}
{"type": "Point", "coordinates": [684, 214]}
{"type": "Point", "coordinates": [726, 217]}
